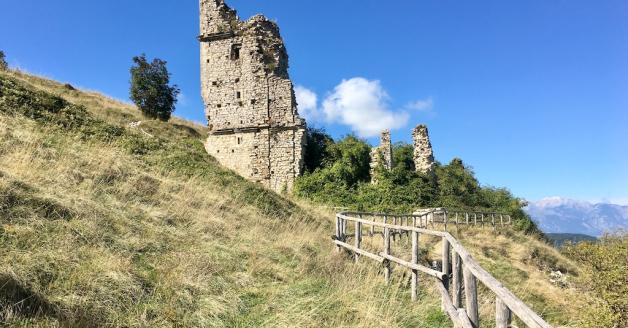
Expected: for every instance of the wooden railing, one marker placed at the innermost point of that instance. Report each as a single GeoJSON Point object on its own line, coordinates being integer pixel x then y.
{"type": "Point", "coordinates": [458, 278]}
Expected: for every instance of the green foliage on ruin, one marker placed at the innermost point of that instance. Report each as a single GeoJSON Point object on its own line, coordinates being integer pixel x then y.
{"type": "Point", "coordinates": [151, 90]}
{"type": "Point", "coordinates": [604, 265]}
{"type": "Point", "coordinates": [338, 174]}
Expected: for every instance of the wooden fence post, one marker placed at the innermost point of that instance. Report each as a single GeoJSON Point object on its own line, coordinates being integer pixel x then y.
{"type": "Point", "coordinates": [482, 220]}
{"type": "Point", "coordinates": [501, 219]}
{"type": "Point", "coordinates": [471, 297]}
{"type": "Point", "coordinates": [394, 231]}
{"type": "Point", "coordinates": [503, 316]}
{"type": "Point", "coordinates": [445, 266]}
{"type": "Point", "coordinates": [445, 219]}
{"type": "Point", "coordinates": [456, 279]}
{"type": "Point", "coordinates": [373, 218]}
{"type": "Point", "coordinates": [466, 218]}
{"type": "Point", "coordinates": [493, 221]}
{"type": "Point", "coordinates": [358, 238]}
{"type": "Point", "coordinates": [387, 267]}
{"type": "Point", "coordinates": [415, 260]}
{"type": "Point", "coordinates": [475, 219]}
{"type": "Point", "coordinates": [338, 232]}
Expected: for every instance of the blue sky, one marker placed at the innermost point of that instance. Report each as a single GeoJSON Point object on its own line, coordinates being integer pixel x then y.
{"type": "Point", "coordinates": [532, 94]}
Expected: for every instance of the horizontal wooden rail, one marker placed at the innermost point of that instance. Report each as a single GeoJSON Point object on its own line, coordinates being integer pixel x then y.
{"type": "Point", "coordinates": [360, 251]}
{"type": "Point", "coordinates": [506, 302]}
{"type": "Point", "coordinates": [412, 266]}
{"type": "Point", "coordinates": [518, 307]}
{"type": "Point", "coordinates": [459, 318]}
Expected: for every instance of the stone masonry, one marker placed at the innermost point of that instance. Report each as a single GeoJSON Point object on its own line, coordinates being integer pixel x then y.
{"type": "Point", "coordinates": [250, 105]}
{"type": "Point", "coordinates": [423, 153]}
{"type": "Point", "coordinates": [382, 155]}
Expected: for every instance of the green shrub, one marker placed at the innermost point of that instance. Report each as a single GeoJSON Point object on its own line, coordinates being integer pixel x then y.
{"type": "Point", "coordinates": [338, 174]}
{"type": "Point", "coordinates": [604, 265]}
{"type": "Point", "coordinates": [3, 62]}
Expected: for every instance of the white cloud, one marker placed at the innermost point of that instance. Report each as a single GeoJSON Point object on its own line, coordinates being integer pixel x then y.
{"type": "Point", "coordinates": [422, 105]}
{"type": "Point", "coordinates": [363, 105]}
{"type": "Point", "coordinates": [308, 103]}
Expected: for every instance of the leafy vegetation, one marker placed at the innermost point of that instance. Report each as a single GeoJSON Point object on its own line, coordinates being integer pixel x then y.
{"type": "Point", "coordinates": [338, 174]}
{"type": "Point", "coordinates": [604, 265]}
{"type": "Point", "coordinates": [3, 61]}
{"type": "Point", "coordinates": [151, 90]}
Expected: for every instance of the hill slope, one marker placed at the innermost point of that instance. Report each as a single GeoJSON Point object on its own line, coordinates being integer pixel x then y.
{"type": "Point", "coordinates": [107, 225]}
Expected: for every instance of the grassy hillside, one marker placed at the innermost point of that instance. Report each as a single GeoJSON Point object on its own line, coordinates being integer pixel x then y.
{"type": "Point", "coordinates": [107, 225]}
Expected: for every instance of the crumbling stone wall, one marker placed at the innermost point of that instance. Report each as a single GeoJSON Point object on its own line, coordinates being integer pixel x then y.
{"type": "Point", "coordinates": [250, 105]}
{"type": "Point", "coordinates": [423, 153]}
{"type": "Point", "coordinates": [381, 155]}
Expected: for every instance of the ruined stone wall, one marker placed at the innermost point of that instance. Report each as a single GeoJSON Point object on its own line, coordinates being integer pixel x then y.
{"type": "Point", "coordinates": [249, 99]}
{"type": "Point", "coordinates": [381, 155]}
{"type": "Point", "coordinates": [423, 153]}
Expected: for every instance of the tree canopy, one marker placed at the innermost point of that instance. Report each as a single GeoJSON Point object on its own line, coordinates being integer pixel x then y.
{"type": "Point", "coordinates": [338, 174]}
{"type": "Point", "coordinates": [151, 90]}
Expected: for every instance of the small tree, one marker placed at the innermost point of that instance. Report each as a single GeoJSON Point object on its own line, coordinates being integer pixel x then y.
{"type": "Point", "coordinates": [3, 62]}
{"type": "Point", "coordinates": [151, 90]}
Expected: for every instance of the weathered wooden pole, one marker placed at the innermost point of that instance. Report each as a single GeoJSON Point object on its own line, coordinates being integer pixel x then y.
{"type": "Point", "coordinates": [415, 260]}
{"type": "Point", "coordinates": [471, 297]}
{"type": "Point", "coordinates": [482, 220]}
{"type": "Point", "coordinates": [456, 281]}
{"type": "Point", "coordinates": [503, 316]}
{"type": "Point", "coordinates": [445, 269]}
{"type": "Point", "coordinates": [493, 221]}
{"type": "Point", "coordinates": [501, 219]}
{"type": "Point", "coordinates": [372, 232]}
{"type": "Point", "coordinates": [445, 266]}
{"type": "Point", "coordinates": [387, 268]}
{"type": "Point", "coordinates": [385, 222]}
{"type": "Point", "coordinates": [358, 238]}
{"type": "Point", "coordinates": [475, 219]}
{"type": "Point", "coordinates": [445, 220]}
{"type": "Point", "coordinates": [338, 232]}
{"type": "Point", "coordinates": [466, 218]}
{"type": "Point", "coordinates": [394, 232]}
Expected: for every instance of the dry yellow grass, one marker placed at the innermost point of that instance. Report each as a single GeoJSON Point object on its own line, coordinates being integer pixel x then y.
{"type": "Point", "coordinates": [96, 235]}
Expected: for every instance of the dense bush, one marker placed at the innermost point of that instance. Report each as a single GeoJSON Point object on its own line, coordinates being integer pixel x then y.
{"type": "Point", "coordinates": [604, 265]}
{"type": "Point", "coordinates": [3, 62]}
{"type": "Point", "coordinates": [338, 174]}
{"type": "Point", "coordinates": [151, 90]}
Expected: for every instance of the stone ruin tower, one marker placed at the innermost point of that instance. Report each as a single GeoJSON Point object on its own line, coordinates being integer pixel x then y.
{"type": "Point", "coordinates": [382, 155]}
{"type": "Point", "coordinates": [423, 153]}
{"type": "Point", "coordinates": [250, 104]}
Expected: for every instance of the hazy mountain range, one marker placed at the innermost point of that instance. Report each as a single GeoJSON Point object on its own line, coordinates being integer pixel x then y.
{"type": "Point", "coordinates": [562, 215]}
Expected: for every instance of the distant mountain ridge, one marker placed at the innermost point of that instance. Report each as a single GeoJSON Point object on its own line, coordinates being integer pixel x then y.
{"type": "Point", "coordinates": [563, 215]}
{"type": "Point", "coordinates": [559, 239]}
